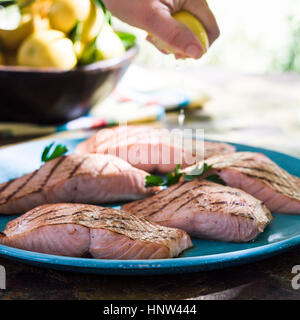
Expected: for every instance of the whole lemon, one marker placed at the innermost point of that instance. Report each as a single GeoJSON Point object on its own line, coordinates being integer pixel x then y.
{"type": "Point", "coordinates": [93, 24]}
{"type": "Point", "coordinates": [64, 14]}
{"type": "Point", "coordinates": [47, 48]}
{"type": "Point", "coordinates": [11, 39]}
{"type": "Point", "coordinates": [108, 44]}
{"type": "Point", "coordinates": [193, 24]}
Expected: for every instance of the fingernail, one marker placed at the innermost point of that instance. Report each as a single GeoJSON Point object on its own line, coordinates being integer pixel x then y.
{"type": "Point", "coordinates": [193, 51]}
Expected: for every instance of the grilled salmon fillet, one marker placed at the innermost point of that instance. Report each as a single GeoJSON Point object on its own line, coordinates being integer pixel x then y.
{"type": "Point", "coordinates": [151, 149]}
{"type": "Point", "coordinates": [79, 230]}
{"type": "Point", "coordinates": [205, 210]}
{"type": "Point", "coordinates": [90, 178]}
{"type": "Point", "coordinates": [256, 174]}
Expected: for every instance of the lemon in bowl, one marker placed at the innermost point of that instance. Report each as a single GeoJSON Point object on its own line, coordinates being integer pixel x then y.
{"type": "Point", "coordinates": [64, 14]}
{"type": "Point", "coordinates": [93, 23]}
{"type": "Point", "coordinates": [42, 75]}
{"type": "Point", "coordinates": [47, 49]}
{"type": "Point", "coordinates": [11, 39]}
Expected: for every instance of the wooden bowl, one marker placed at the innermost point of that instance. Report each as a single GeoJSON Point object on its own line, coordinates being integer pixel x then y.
{"type": "Point", "coordinates": [49, 96]}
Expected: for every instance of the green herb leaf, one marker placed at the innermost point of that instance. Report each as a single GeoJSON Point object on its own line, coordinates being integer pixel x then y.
{"type": "Point", "coordinates": [75, 34]}
{"type": "Point", "coordinates": [101, 4]}
{"type": "Point", "coordinates": [58, 151]}
{"type": "Point", "coordinates": [154, 181]}
{"type": "Point", "coordinates": [128, 39]}
{"type": "Point", "coordinates": [10, 15]}
{"type": "Point", "coordinates": [197, 172]}
{"type": "Point", "coordinates": [107, 14]}
{"type": "Point", "coordinates": [5, 3]}
{"type": "Point", "coordinates": [89, 54]}
{"type": "Point", "coordinates": [174, 177]}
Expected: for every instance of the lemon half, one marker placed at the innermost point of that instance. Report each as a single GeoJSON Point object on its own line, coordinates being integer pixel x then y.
{"type": "Point", "coordinates": [193, 24]}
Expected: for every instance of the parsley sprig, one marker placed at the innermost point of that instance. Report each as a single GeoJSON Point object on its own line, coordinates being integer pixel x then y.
{"type": "Point", "coordinates": [172, 178]}
{"type": "Point", "coordinates": [197, 172]}
{"type": "Point", "coordinates": [58, 151]}
{"type": "Point", "coordinates": [175, 176]}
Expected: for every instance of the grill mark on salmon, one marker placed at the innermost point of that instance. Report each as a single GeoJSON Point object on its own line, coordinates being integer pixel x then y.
{"type": "Point", "coordinates": [237, 193]}
{"type": "Point", "coordinates": [39, 188]}
{"type": "Point", "coordinates": [170, 201]}
{"type": "Point", "coordinates": [206, 210]}
{"type": "Point", "coordinates": [269, 181]}
{"type": "Point", "coordinates": [123, 141]}
{"type": "Point", "coordinates": [93, 178]}
{"type": "Point", "coordinates": [103, 233]}
{"type": "Point", "coordinates": [140, 231]}
{"type": "Point", "coordinates": [256, 174]}
{"type": "Point", "coordinates": [76, 168]}
{"type": "Point", "coordinates": [189, 201]}
{"type": "Point", "coordinates": [219, 202]}
{"type": "Point", "coordinates": [175, 188]}
{"type": "Point", "coordinates": [19, 188]}
{"type": "Point", "coordinates": [256, 169]}
{"type": "Point", "coordinates": [65, 215]}
{"type": "Point", "coordinates": [172, 190]}
{"type": "Point", "coordinates": [6, 185]}
{"type": "Point", "coordinates": [104, 167]}
{"type": "Point", "coordinates": [43, 214]}
{"type": "Point", "coordinates": [58, 163]}
{"type": "Point", "coordinates": [259, 176]}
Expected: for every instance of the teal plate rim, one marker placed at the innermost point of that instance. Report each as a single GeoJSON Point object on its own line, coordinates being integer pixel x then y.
{"type": "Point", "coordinates": [159, 266]}
{"type": "Point", "coordinates": [150, 267]}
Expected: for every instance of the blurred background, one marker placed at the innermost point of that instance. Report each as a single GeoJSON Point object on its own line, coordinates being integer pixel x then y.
{"type": "Point", "coordinates": [257, 36]}
{"type": "Point", "coordinates": [245, 89]}
{"type": "Point", "coordinates": [250, 75]}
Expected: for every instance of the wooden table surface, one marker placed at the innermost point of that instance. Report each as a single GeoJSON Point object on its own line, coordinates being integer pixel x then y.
{"type": "Point", "coordinates": [258, 110]}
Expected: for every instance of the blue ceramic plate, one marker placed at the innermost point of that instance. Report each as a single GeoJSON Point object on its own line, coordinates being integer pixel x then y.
{"type": "Point", "coordinates": [282, 234]}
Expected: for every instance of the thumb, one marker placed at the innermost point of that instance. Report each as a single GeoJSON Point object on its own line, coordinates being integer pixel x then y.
{"type": "Point", "coordinates": [175, 34]}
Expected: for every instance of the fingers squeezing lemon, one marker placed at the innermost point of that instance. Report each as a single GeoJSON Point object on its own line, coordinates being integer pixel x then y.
{"type": "Point", "coordinates": [190, 22]}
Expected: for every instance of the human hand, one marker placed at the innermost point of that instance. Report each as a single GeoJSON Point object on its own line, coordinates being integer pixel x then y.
{"type": "Point", "coordinates": [155, 16]}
